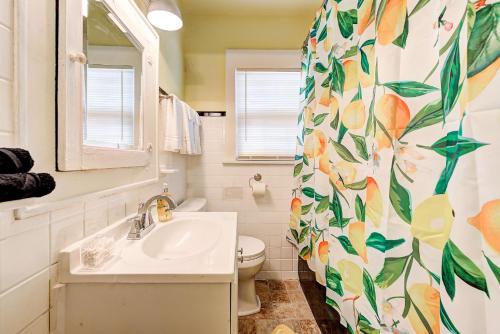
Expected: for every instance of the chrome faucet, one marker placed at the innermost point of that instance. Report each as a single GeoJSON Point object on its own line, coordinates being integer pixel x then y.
{"type": "Point", "coordinates": [143, 222]}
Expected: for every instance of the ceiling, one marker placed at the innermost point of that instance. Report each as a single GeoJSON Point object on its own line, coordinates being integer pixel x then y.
{"type": "Point", "coordinates": [250, 7]}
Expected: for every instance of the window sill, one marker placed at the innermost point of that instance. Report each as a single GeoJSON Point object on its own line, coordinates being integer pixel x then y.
{"type": "Point", "coordinates": [258, 162]}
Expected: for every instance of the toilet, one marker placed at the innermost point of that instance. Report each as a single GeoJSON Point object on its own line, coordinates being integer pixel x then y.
{"type": "Point", "coordinates": [251, 257]}
{"type": "Point", "coordinates": [196, 204]}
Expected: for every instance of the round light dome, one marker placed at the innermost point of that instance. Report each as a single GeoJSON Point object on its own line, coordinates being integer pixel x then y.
{"type": "Point", "coordinates": [165, 15]}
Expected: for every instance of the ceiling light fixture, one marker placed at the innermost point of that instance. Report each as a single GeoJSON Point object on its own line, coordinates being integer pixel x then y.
{"type": "Point", "coordinates": [165, 15]}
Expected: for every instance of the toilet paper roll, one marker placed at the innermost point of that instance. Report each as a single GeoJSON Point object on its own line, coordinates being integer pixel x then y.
{"type": "Point", "coordinates": [259, 188]}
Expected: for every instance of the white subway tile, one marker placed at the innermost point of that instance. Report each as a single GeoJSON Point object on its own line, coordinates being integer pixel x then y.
{"type": "Point", "coordinates": [95, 216]}
{"type": "Point", "coordinates": [131, 202]}
{"type": "Point", "coordinates": [274, 241]}
{"type": "Point", "coordinates": [274, 253]}
{"type": "Point", "coordinates": [116, 209]}
{"type": "Point", "coordinates": [6, 12]}
{"type": "Point", "coordinates": [269, 275]}
{"type": "Point", "coordinates": [295, 264]}
{"type": "Point", "coordinates": [24, 225]}
{"type": "Point", "coordinates": [289, 275]}
{"type": "Point", "coordinates": [274, 265]}
{"type": "Point", "coordinates": [286, 265]}
{"type": "Point", "coordinates": [286, 253]}
{"type": "Point", "coordinates": [63, 233]}
{"type": "Point", "coordinates": [39, 326]}
{"type": "Point", "coordinates": [6, 53]}
{"type": "Point", "coordinates": [23, 255]}
{"type": "Point", "coordinates": [66, 212]}
{"type": "Point", "coordinates": [24, 303]}
{"type": "Point", "coordinates": [6, 107]}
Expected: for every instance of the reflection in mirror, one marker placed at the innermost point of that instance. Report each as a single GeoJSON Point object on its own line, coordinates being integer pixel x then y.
{"type": "Point", "coordinates": [113, 80]}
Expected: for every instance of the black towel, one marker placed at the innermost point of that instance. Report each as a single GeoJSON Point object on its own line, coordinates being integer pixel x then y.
{"type": "Point", "coordinates": [24, 185]}
{"type": "Point", "coordinates": [15, 160]}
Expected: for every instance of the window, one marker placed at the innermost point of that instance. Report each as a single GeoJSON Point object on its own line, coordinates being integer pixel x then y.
{"type": "Point", "coordinates": [109, 117]}
{"type": "Point", "coordinates": [263, 102]}
{"type": "Point", "coordinates": [266, 106]}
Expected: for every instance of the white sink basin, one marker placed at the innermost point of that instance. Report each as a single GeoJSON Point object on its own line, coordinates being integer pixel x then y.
{"type": "Point", "coordinates": [192, 247]}
{"type": "Point", "coordinates": [181, 238]}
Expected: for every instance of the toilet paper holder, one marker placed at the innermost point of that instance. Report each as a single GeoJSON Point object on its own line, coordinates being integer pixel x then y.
{"type": "Point", "coordinates": [257, 178]}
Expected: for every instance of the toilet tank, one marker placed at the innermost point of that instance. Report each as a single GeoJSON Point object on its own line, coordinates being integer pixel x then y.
{"type": "Point", "coordinates": [193, 205]}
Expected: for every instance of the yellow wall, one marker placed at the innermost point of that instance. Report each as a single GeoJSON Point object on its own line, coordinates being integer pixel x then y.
{"type": "Point", "coordinates": [206, 38]}
{"type": "Point", "coordinates": [171, 62]}
{"type": "Point", "coordinates": [171, 76]}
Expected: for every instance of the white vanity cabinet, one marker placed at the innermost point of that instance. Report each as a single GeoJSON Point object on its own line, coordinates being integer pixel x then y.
{"type": "Point", "coordinates": [181, 278]}
{"type": "Point", "coordinates": [180, 308]}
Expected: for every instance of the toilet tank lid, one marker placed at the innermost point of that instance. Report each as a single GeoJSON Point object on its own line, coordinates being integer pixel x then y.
{"type": "Point", "coordinates": [192, 205]}
{"type": "Point", "coordinates": [252, 247]}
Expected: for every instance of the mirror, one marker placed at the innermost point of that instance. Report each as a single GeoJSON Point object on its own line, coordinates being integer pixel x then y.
{"type": "Point", "coordinates": [112, 90]}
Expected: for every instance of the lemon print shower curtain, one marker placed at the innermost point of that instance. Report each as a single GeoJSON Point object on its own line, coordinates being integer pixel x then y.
{"type": "Point", "coordinates": [396, 201]}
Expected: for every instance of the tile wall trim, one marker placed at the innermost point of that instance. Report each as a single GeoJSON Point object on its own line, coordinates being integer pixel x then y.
{"type": "Point", "coordinates": [23, 211]}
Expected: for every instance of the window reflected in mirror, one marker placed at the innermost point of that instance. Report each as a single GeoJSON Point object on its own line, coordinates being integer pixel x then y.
{"type": "Point", "coordinates": [113, 81]}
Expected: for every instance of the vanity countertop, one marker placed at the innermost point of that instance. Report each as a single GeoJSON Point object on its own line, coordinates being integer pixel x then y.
{"type": "Point", "coordinates": [193, 247]}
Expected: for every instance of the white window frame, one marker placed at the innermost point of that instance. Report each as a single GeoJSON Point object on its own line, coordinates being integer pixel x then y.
{"type": "Point", "coordinates": [72, 154]}
{"type": "Point", "coordinates": [277, 60]}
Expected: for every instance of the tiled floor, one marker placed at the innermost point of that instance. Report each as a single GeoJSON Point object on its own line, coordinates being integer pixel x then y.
{"type": "Point", "coordinates": [283, 302]}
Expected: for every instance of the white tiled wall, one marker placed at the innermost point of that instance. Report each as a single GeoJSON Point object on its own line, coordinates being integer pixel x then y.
{"type": "Point", "coordinates": [6, 73]}
{"type": "Point", "coordinates": [29, 249]}
{"type": "Point", "coordinates": [226, 188]}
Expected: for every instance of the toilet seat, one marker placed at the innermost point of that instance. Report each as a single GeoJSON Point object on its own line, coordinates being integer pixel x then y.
{"type": "Point", "coordinates": [252, 248]}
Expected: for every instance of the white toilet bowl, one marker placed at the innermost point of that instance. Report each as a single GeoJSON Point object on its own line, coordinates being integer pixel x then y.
{"type": "Point", "coordinates": [250, 262]}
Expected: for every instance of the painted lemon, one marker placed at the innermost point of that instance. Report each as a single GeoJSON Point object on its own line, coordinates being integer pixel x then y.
{"type": "Point", "coordinates": [427, 300]}
{"type": "Point", "coordinates": [393, 113]}
{"type": "Point", "coordinates": [357, 239]}
{"type": "Point", "coordinates": [308, 116]}
{"type": "Point", "coordinates": [315, 144]}
{"type": "Point", "coordinates": [329, 101]}
{"type": "Point", "coordinates": [334, 107]}
{"type": "Point", "coordinates": [323, 252]}
{"type": "Point", "coordinates": [343, 172]}
{"type": "Point", "coordinates": [352, 276]}
{"type": "Point", "coordinates": [351, 75]}
{"type": "Point", "coordinates": [488, 222]}
{"type": "Point", "coordinates": [432, 221]}
{"type": "Point", "coordinates": [314, 43]}
{"type": "Point", "coordinates": [476, 84]}
{"type": "Point", "coordinates": [325, 97]}
{"type": "Point", "coordinates": [296, 211]}
{"type": "Point", "coordinates": [296, 206]}
{"type": "Point", "coordinates": [328, 42]}
{"type": "Point", "coordinates": [374, 206]}
{"type": "Point", "coordinates": [392, 21]}
{"type": "Point", "coordinates": [324, 163]}
{"type": "Point", "coordinates": [354, 115]}
{"type": "Point", "coordinates": [365, 17]}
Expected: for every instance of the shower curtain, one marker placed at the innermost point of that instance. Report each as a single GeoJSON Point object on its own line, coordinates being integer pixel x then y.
{"type": "Point", "coordinates": [396, 201]}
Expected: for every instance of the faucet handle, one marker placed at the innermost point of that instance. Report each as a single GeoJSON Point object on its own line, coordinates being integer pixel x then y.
{"type": "Point", "coordinates": [136, 224]}
{"type": "Point", "coordinates": [141, 207]}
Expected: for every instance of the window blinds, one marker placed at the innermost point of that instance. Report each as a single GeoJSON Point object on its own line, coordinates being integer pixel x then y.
{"type": "Point", "coordinates": [109, 120]}
{"type": "Point", "coordinates": [267, 104]}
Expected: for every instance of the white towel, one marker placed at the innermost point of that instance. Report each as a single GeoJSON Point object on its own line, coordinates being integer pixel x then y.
{"type": "Point", "coordinates": [191, 130]}
{"type": "Point", "coordinates": [173, 110]}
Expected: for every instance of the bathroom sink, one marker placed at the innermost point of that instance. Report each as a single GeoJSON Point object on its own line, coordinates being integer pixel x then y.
{"type": "Point", "coordinates": [181, 238]}
{"type": "Point", "coordinates": [192, 247]}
